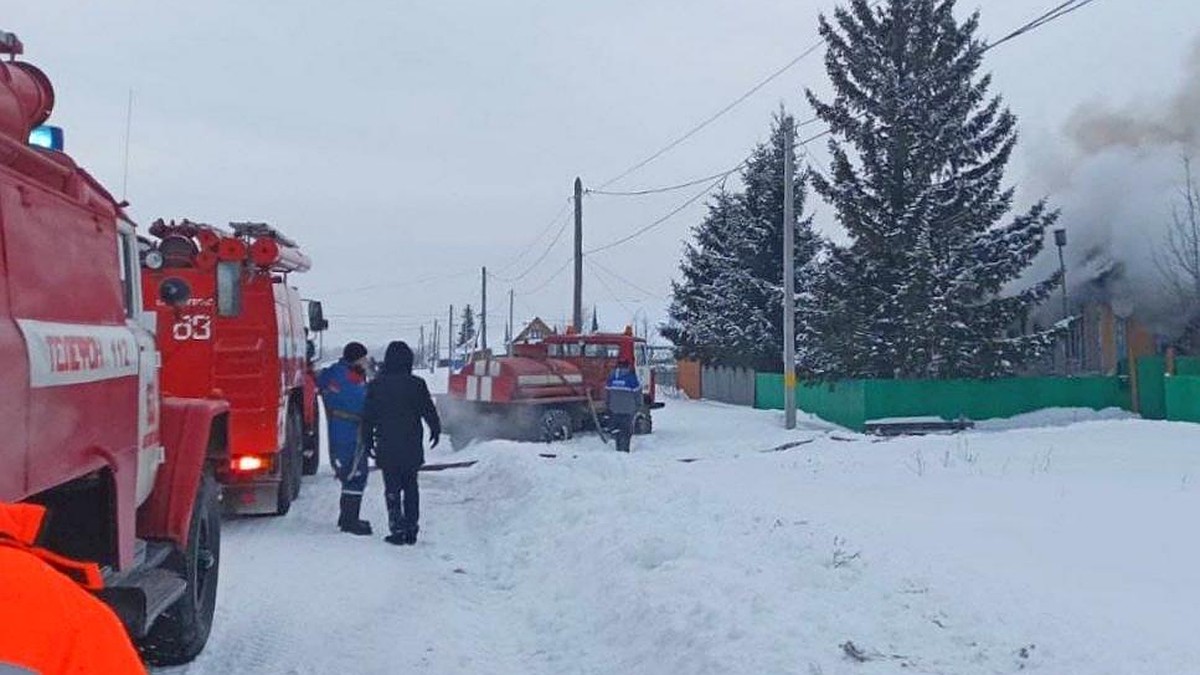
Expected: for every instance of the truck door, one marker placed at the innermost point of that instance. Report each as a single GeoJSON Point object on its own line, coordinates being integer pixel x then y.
{"type": "Point", "coordinates": [150, 449]}
{"type": "Point", "coordinates": [642, 364]}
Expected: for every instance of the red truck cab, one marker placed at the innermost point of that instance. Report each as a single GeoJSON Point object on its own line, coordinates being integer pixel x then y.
{"type": "Point", "coordinates": [240, 337]}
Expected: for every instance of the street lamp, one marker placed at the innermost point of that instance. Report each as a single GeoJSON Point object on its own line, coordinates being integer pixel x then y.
{"type": "Point", "coordinates": [1060, 240]}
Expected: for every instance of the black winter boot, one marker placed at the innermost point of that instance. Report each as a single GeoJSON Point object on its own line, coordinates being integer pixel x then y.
{"type": "Point", "coordinates": [349, 521]}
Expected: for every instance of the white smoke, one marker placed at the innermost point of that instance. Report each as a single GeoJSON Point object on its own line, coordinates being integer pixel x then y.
{"type": "Point", "coordinates": [1116, 175]}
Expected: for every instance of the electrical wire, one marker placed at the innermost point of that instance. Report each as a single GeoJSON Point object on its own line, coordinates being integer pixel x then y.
{"type": "Point", "coordinates": [642, 230]}
{"type": "Point", "coordinates": [717, 115]}
{"type": "Point", "coordinates": [669, 188]}
{"type": "Point", "coordinates": [618, 277]}
{"type": "Point", "coordinates": [1046, 17]}
{"type": "Point", "coordinates": [561, 213]}
{"type": "Point", "coordinates": [510, 280]}
{"type": "Point", "coordinates": [611, 293]}
{"type": "Point", "coordinates": [552, 277]}
{"type": "Point", "coordinates": [1050, 15]}
{"type": "Point", "coordinates": [401, 284]}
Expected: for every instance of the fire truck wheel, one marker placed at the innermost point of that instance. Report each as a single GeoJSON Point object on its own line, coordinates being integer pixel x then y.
{"type": "Point", "coordinates": [181, 632]}
{"type": "Point", "coordinates": [294, 438]}
{"type": "Point", "coordinates": [312, 448]}
{"type": "Point", "coordinates": [643, 424]}
{"type": "Point", "coordinates": [289, 467]}
{"type": "Point", "coordinates": [556, 425]}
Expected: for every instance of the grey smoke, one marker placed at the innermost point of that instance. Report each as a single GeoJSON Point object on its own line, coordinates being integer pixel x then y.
{"type": "Point", "coordinates": [1116, 175]}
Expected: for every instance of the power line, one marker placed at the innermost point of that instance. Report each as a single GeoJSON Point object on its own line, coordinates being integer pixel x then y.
{"type": "Point", "coordinates": [611, 293]}
{"type": "Point", "coordinates": [401, 284]}
{"type": "Point", "coordinates": [640, 231]}
{"type": "Point", "coordinates": [669, 188]}
{"type": "Point", "coordinates": [565, 265]}
{"type": "Point", "coordinates": [1046, 17]}
{"type": "Point", "coordinates": [623, 280]}
{"type": "Point", "coordinates": [561, 212]}
{"type": "Point", "coordinates": [717, 115]}
{"type": "Point", "coordinates": [550, 247]}
{"type": "Point", "coordinates": [1050, 15]}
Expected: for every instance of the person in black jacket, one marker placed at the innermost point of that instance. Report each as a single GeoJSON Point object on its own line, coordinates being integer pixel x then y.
{"type": "Point", "coordinates": [397, 401]}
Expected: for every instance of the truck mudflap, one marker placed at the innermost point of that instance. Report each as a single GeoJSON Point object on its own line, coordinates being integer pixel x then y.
{"type": "Point", "coordinates": [251, 498]}
{"type": "Point", "coordinates": [194, 432]}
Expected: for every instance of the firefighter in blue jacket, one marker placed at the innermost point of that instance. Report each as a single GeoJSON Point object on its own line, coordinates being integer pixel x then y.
{"type": "Point", "coordinates": [343, 388]}
{"type": "Point", "coordinates": [623, 396]}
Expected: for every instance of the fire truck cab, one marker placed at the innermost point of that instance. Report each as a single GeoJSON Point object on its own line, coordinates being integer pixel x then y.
{"type": "Point", "coordinates": [125, 472]}
{"type": "Point", "coordinates": [241, 337]}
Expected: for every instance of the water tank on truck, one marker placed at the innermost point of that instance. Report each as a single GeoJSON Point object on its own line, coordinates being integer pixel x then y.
{"type": "Point", "coordinates": [241, 336]}
{"type": "Point", "coordinates": [545, 390]}
{"type": "Point", "coordinates": [126, 473]}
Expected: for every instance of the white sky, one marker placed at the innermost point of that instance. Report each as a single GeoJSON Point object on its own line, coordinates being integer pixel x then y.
{"type": "Point", "coordinates": [399, 141]}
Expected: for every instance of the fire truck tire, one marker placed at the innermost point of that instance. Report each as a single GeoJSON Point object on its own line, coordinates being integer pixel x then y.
{"type": "Point", "coordinates": [556, 425]}
{"type": "Point", "coordinates": [312, 448]}
{"type": "Point", "coordinates": [295, 440]}
{"type": "Point", "coordinates": [182, 631]}
{"type": "Point", "coordinates": [643, 424]}
{"type": "Point", "coordinates": [290, 465]}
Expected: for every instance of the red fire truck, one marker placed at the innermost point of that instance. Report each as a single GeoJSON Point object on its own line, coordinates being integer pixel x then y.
{"type": "Point", "coordinates": [545, 391]}
{"type": "Point", "coordinates": [126, 473]}
{"type": "Point", "coordinates": [240, 336]}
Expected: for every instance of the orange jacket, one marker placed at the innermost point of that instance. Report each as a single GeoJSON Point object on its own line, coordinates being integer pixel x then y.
{"type": "Point", "coordinates": [49, 622]}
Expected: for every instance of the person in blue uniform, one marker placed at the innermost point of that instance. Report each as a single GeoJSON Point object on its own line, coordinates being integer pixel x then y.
{"type": "Point", "coordinates": [623, 396]}
{"type": "Point", "coordinates": [343, 388]}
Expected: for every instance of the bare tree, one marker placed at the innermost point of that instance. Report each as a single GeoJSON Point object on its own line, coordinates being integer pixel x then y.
{"type": "Point", "coordinates": [1178, 261]}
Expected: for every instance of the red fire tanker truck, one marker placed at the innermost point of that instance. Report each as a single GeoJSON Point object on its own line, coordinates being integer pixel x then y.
{"type": "Point", "coordinates": [126, 473]}
{"type": "Point", "coordinates": [544, 391]}
{"type": "Point", "coordinates": [240, 336]}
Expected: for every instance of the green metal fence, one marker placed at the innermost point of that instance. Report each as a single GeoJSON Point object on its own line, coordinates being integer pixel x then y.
{"type": "Point", "coordinates": [1152, 403]}
{"type": "Point", "coordinates": [1182, 398]}
{"type": "Point", "coordinates": [852, 403]}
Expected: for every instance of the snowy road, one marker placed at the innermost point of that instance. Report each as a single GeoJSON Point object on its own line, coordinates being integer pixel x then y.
{"type": "Point", "coordinates": [1055, 550]}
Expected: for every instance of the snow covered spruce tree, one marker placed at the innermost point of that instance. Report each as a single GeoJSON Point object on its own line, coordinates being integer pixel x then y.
{"type": "Point", "coordinates": [728, 308]}
{"type": "Point", "coordinates": [924, 288]}
{"type": "Point", "coordinates": [466, 327]}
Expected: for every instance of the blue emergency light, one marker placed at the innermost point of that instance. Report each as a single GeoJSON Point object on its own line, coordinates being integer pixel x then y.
{"type": "Point", "coordinates": [48, 137]}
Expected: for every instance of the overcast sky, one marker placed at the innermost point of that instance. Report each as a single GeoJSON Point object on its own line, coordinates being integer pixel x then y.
{"type": "Point", "coordinates": [404, 141]}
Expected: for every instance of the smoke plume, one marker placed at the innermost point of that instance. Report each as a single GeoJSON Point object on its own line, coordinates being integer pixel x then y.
{"type": "Point", "coordinates": [1117, 175]}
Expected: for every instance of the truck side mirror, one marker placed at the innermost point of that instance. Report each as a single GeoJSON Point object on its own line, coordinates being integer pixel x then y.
{"type": "Point", "coordinates": [174, 292]}
{"type": "Point", "coordinates": [316, 317]}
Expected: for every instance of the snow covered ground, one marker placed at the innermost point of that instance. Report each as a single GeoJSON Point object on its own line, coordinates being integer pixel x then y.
{"type": "Point", "coordinates": [725, 544]}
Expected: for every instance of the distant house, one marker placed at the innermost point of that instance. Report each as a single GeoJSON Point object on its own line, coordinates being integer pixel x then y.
{"type": "Point", "coordinates": [536, 331]}
{"type": "Point", "coordinates": [1106, 332]}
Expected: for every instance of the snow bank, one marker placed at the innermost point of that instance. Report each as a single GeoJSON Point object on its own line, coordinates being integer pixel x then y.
{"type": "Point", "coordinates": [1052, 549]}
{"type": "Point", "coordinates": [1053, 417]}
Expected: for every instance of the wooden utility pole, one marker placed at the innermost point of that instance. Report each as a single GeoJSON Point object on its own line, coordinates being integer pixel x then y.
{"type": "Point", "coordinates": [511, 328]}
{"type": "Point", "coordinates": [789, 278]}
{"type": "Point", "coordinates": [483, 315]}
{"type": "Point", "coordinates": [450, 336]}
{"type": "Point", "coordinates": [421, 348]}
{"type": "Point", "coordinates": [436, 343]}
{"type": "Point", "coordinates": [577, 316]}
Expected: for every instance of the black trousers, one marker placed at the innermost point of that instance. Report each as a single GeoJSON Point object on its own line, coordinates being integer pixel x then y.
{"type": "Point", "coordinates": [622, 430]}
{"type": "Point", "coordinates": [403, 500]}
